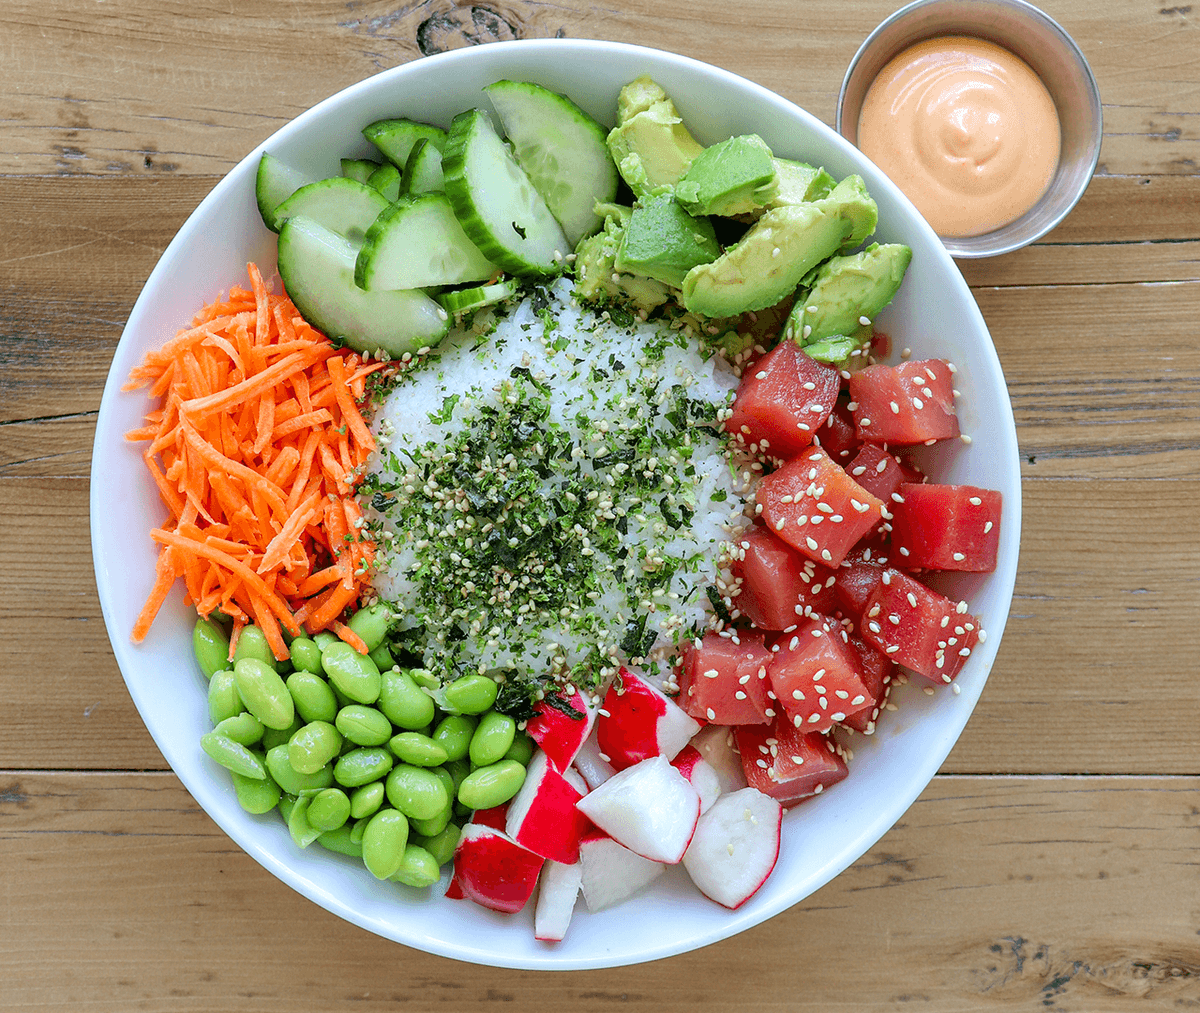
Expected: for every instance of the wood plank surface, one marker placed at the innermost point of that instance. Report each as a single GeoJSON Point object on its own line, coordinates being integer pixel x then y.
{"type": "Point", "coordinates": [1052, 864]}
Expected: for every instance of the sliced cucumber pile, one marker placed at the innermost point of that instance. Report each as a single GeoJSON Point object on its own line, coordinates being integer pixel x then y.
{"type": "Point", "coordinates": [342, 205]}
{"type": "Point", "coordinates": [274, 184]}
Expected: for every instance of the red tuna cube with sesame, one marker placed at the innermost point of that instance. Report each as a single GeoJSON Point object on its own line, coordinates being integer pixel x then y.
{"type": "Point", "coordinates": [905, 404]}
{"type": "Point", "coordinates": [919, 628]}
{"type": "Point", "coordinates": [779, 585]}
{"type": "Point", "coordinates": [787, 764]}
{"type": "Point", "coordinates": [838, 437]}
{"type": "Point", "coordinates": [815, 676]}
{"type": "Point", "coordinates": [876, 671]}
{"type": "Point", "coordinates": [877, 471]}
{"type": "Point", "coordinates": [946, 527]}
{"type": "Point", "coordinates": [725, 682]}
{"type": "Point", "coordinates": [856, 579]}
{"type": "Point", "coordinates": [782, 399]}
{"type": "Point", "coordinates": [814, 506]}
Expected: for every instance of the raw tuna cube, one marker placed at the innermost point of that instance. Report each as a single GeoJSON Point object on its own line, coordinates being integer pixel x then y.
{"type": "Point", "coordinates": [493, 870]}
{"type": "Point", "coordinates": [918, 628]}
{"type": "Point", "coordinates": [838, 437]}
{"type": "Point", "coordinates": [782, 399]}
{"type": "Point", "coordinates": [876, 671]}
{"type": "Point", "coordinates": [946, 527]}
{"type": "Point", "coordinates": [856, 579]}
{"type": "Point", "coordinates": [561, 726]}
{"type": "Point", "coordinates": [905, 404]}
{"type": "Point", "coordinates": [790, 765]}
{"type": "Point", "coordinates": [724, 682]}
{"type": "Point", "coordinates": [639, 721]}
{"type": "Point", "coordinates": [877, 471]}
{"type": "Point", "coordinates": [815, 675]}
{"type": "Point", "coordinates": [778, 583]}
{"type": "Point", "coordinates": [814, 506]}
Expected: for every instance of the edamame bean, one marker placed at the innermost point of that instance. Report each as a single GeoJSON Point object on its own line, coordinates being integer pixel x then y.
{"type": "Point", "coordinates": [312, 696]}
{"type": "Point", "coordinates": [264, 692]}
{"type": "Point", "coordinates": [303, 833]}
{"type": "Point", "coordinates": [492, 739]}
{"type": "Point", "coordinates": [366, 799]}
{"type": "Point", "coordinates": [362, 766]}
{"type": "Point", "coordinates": [273, 737]}
{"type": "Point", "coordinates": [243, 728]}
{"type": "Point", "coordinates": [223, 699]}
{"type": "Point", "coordinates": [286, 802]}
{"type": "Point", "coordinates": [453, 733]}
{"type": "Point", "coordinates": [211, 647]}
{"type": "Point", "coordinates": [492, 785]}
{"type": "Point", "coordinates": [417, 868]}
{"type": "Point", "coordinates": [329, 809]}
{"type": "Point", "coordinates": [424, 678]}
{"type": "Point", "coordinates": [433, 827]}
{"type": "Point", "coordinates": [442, 845]}
{"type": "Point", "coordinates": [313, 746]}
{"type": "Point", "coordinates": [383, 658]}
{"type": "Point", "coordinates": [324, 639]}
{"type": "Point", "coordinates": [252, 643]}
{"type": "Point", "coordinates": [233, 755]}
{"type": "Point", "coordinates": [363, 725]}
{"type": "Point", "coordinates": [339, 840]}
{"type": "Point", "coordinates": [353, 673]}
{"type": "Point", "coordinates": [306, 655]}
{"type": "Point", "coordinates": [402, 701]}
{"type": "Point", "coordinates": [522, 749]}
{"type": "Point", "coordinates": [383, 843]}
{"type": "Point", "coordinates": [256, 795]}
{"type": "Point", "coordinates": [291, 780]}
{"type": "Point", "coordinates": [471, 694]}
{"type": "Point", "coordinates": [417, 749]}
{"type": "Point", "coordinates": [416, 792]}
{"type": "Point", "coordinates": [371, 624]}
{"type": "Point", "coordinates": [358, 829]}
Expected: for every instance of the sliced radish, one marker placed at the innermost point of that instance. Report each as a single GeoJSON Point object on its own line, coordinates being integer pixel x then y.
{"type": "Point", "coordinates": [576, 780]}
{"type": "Point", "coordinates": [542, 817]}
{"type": "Point", "coordinates": [495, 817]}
{"type": "Point", "coordinates": [611, 873]}
{"type": "Point", "coordinates": [700, 775]}
{"type": "Point", "coordinates": [558, 890]}
{"type": "Point", "coordinates": [638, 721]}
{"type": "Point", "coordinates": [594, 767]}
{"type": "Point", "coordinates": [735, 847]}
{"type": "Point", "coordinates": [562, 724]}
{"type": "Point", "coordinates": [493, 870]}
{"type": "Point", "coordinates": [651, 808]}
{"type": "Point", "coordinates": [718, 745]}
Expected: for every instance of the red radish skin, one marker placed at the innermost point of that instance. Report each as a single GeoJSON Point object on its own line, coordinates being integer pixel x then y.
{"type": "Point", "coordinates": [493, 870]}
{"type": "Point", "coordinates": [558, 733]}
{"type": "Point", "coordinates": [542, 817]}
{"type": "Point", "coordinates": [494, 817]}
{"type": "Point", "coordinates": [637, 721]}
{"type": "Point", "coordinates": [700, 775]}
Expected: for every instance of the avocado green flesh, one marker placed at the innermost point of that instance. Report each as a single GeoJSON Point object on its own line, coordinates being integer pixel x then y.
{"type": "Point", "coordinates": [596, 275]}
{"type": "Point", "coordinates": [799, 182]}
{"type": "Point", "coordinates": [650, 145]}
{"type": "Point", "coordinates": [734, 176]}
{"type": "Point", "coordinates": [662, 241]}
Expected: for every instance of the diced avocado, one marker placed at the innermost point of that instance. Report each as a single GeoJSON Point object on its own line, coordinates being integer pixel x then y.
{"type": "Point", "coordinates": [650, 145]}
{"type": "Point", "coordinates": [596, 276]}
{"type": "Point", "coordinates": [664, 242]}
{"type": "Point", "coordinates": [778, 251]}
{"type": "Point", "coordinates": [735, 176]}
{"type": "Point", "coordinates": [797, 182]}
{"type": "Point", "coordinates": [846, 293]}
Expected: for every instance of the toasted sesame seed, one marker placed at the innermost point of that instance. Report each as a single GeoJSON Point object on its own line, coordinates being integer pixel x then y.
{"type": "Point", "coordinates": [712, 714]}
{"type": "Point", "coordinates": [975, 501]}
{"type": "Point", "coordinates": [987, 527]}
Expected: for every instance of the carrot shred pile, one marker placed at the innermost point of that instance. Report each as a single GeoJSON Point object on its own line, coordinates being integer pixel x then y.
{"type": "Point", "coordinates": [256, 447]}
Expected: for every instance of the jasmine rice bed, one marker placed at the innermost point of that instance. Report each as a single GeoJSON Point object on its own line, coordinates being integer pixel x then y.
{"type": "Point", "coordinates": [552, 493]}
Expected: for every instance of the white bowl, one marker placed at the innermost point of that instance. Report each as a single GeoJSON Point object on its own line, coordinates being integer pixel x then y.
{"type": "Point", "coordinates": [934, 314]}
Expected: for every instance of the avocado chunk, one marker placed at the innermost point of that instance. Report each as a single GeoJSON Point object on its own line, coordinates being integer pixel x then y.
{"type": "Point", "coordinates": [798, 182]}
{"type": "Point", "coordinates": [596, 275]}
{"type": "Point", "coordinates": [847, 292]}
{"type": "Point", "coordinates": [779, 250]}
{"type": "Point", "coordinates": [650, 145]}
{"type": "Point", "coordinates": [664, 242]}
{"type": "Point", "coordinates": [732, 177]}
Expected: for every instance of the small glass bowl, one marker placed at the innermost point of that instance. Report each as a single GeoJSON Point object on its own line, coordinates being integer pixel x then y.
{"type": "Point", "coordinates": [1052, 54]}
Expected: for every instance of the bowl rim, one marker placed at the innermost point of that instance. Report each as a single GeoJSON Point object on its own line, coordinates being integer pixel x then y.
{"type": "Point", "coordinates": [975, 247]}
{"type": "Point", "coordinates": [736, 921]}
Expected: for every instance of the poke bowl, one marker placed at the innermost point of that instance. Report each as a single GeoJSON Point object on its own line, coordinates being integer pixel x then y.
{"type": "Point", "coordinates": [933, 316]}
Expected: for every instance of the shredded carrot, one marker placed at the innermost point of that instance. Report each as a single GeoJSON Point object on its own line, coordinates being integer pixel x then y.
{"type": "Point", "coordinates": [256, 444]}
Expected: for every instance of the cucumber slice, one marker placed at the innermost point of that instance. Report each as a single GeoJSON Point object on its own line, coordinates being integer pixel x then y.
{"type": "Point", "coordinates": [418, 243]}
{"type": "Point", "coordinates": [317, 268]}
{"type": "Point", "coordinates": [341, 205]}
{"type": "Point", "coordinates": [358, 168]}
{"type": "Point", "coordinates": [460, 300]}
{"type": "Point", "coordinates": [387, 180]}
{"type": "Point", "coordinates": [395, 138]}
{"type": "Point", "coordinates": [423, 170]}
{"type": "Point", "coordinates": [562, 150]}
{"type": "Point", "coordinates": [276, 182]}
{"type": "Point", "coordinates": [499, 208]}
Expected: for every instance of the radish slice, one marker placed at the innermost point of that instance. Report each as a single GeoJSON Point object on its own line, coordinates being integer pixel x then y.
{"type": "Point", "coordinates": [612, 873]}
{"type": "Point", "coordinates": [556, 900]}
{"type": "Point", "coordinates": [735, 846]}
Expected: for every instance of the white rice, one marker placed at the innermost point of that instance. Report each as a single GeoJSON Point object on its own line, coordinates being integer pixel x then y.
{"type": "Point", "coordinates": [478, 367]}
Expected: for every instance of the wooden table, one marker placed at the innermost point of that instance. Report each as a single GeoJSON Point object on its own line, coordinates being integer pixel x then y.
{"type": "Point", "coordinates": [1055, 861]}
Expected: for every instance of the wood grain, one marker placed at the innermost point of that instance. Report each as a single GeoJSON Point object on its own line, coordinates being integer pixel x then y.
{"type": "Point", "coordinates": [1005, 893]}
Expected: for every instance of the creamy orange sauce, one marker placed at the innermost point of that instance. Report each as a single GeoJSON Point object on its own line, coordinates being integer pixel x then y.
{"type": "Point", "coordinates": [965, 129]}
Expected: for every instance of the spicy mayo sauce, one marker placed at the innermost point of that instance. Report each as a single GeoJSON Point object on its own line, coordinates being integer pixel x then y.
{"type": "Point", "coordinates": [965, 129]}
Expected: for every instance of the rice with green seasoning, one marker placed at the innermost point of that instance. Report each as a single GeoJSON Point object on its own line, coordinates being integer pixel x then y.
{"type": "Point", "coordinates": [554, 494]}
